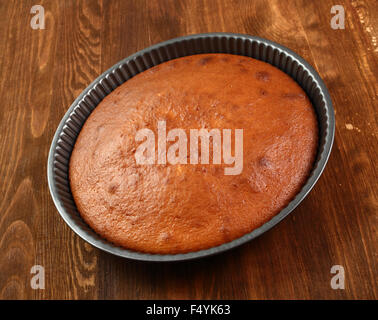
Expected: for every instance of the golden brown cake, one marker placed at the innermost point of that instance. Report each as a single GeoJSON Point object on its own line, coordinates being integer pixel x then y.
{"type": "Point", "coordinates": [177, 208]}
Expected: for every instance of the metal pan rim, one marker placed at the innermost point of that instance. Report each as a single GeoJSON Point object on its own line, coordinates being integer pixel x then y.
{"type": "Point", "coordinates": [89, 235]}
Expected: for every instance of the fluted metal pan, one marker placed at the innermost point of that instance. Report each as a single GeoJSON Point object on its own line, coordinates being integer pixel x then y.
{"type": "Point", "coordinates": [238, 44]}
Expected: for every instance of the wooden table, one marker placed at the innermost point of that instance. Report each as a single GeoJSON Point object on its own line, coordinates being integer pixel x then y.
{"type": "Point", "coordinates": [43, 71]}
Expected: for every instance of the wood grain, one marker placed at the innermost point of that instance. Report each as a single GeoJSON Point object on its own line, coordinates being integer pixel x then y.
{"type": "Point", "coordinates": [44, 70]}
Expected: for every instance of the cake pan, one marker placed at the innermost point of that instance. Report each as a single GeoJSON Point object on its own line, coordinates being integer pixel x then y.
{"type": "Point", "coordinates": [238, 44]}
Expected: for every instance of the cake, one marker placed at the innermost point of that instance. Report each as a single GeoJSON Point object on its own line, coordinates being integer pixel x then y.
{"type": "Point", "coordinates": [164, 207]}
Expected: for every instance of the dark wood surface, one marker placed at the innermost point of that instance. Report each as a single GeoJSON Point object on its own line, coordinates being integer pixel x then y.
{"type": "Point", "coordinates": [43, 71]}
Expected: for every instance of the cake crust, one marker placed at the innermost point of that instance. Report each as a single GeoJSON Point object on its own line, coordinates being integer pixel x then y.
{"type": "Point", "coordinates": [180, 208]}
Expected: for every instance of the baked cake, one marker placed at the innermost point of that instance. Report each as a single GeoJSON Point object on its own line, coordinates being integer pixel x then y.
{"type": "Point", "coordinates": [177, 208]}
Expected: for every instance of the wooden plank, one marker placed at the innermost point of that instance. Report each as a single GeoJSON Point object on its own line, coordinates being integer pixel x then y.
{"type": "Point", "coordinates": [44, 71]}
